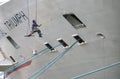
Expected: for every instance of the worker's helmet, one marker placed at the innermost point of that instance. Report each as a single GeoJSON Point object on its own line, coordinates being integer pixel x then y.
{"type": "Point", "coordinates": [34, 21]}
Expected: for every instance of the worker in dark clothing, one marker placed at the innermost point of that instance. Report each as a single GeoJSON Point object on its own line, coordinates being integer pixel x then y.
{"type": "Point", "coordinates": [35, 29]}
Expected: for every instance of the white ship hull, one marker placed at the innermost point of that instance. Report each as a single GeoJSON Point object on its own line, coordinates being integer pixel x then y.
{"type": "Point", "coordinates": [101, 17]}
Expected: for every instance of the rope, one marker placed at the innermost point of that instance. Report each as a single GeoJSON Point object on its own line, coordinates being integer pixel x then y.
{"type": "Point", "coordinates": [50, 63]}
{"type": "Point", "coordinates": [28, 28]}
{"type": "Point", "coordinates": [31, 58]}
{"type": "Point", "coordinates": [94, 71]}
{"type": "Point", "coordinates": [97, 70]}
{"type": "Point", "coordinates": [36, 11]}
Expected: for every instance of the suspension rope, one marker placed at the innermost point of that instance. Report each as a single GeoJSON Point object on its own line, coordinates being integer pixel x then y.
{"type": "Point", "coordinates": [31, 58]}
{"type": "Point", "coordinates": [28, 28]}
{"type": "Point", "coordinates": [45, 67]}
{"type": "Point", "coordinates": [36, 11]}
{"type": "Point", "coordinates": [97, 70]}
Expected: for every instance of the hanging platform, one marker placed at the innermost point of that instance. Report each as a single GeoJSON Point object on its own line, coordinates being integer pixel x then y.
{"type": "Point", "coordinates": [29, 36]}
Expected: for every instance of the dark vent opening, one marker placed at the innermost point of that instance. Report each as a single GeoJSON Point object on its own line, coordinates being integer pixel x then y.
{"type": "Point", "coordinates": [62, 42]}
{"type": "Point", "coordinates": [78, 38]}
{"type": "Point", "coordinates": [13, 42]}
{"type": "Point", "coordinates": [12, 59]}
{"type": "Point", "coordinates": [74, 21]}
{"type": "Point", "coordinates": [49, 46]}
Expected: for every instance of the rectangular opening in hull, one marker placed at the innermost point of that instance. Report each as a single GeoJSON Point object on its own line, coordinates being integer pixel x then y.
{"type": "Point", "coordinates": [13, 42]}
{"type": "Point", "coordinates": [74, 21]}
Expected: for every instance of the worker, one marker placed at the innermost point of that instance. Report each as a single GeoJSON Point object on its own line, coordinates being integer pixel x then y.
{"type": "Point", "coordinates": [35, 29]}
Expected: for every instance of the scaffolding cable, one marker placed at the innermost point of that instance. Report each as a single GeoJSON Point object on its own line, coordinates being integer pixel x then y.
{"type": "Point", "coordinates": [28, 28]}
{"type": "Point", "coordinates": [45, 67]}
{"type": "Point", "coordinates": [96, 70]}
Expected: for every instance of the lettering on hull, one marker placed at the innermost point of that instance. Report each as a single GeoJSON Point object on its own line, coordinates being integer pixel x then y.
{"type": "Point", "coordinates": [16, 20]}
